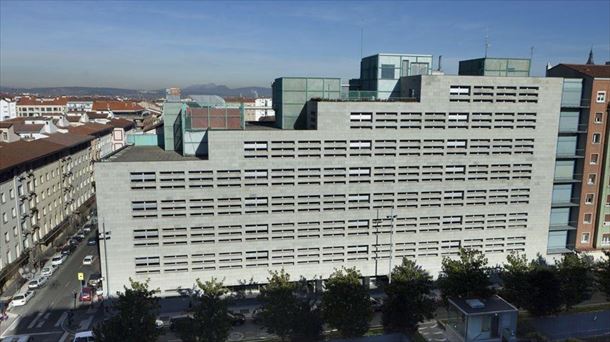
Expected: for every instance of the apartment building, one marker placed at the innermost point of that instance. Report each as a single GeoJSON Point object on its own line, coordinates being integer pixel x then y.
{"type": "Point", "coordinates": [579, 217]}
{"type": "Point", "coordinates": [44, 183]}
{"type": "Point", "coordinates": [33, 106]}
{"type": "Point", "coordinates": [363, 182]}
{"type": "Point", "coordinates": [8, 108]}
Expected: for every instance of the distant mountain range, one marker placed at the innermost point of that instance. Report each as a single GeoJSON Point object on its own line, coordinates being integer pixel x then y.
{"type": "Point", "coordinates": [200, 89]}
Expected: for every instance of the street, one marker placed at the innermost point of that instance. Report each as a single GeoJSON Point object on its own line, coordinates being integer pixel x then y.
{"type": "Point", "coordinates": [46, 316]}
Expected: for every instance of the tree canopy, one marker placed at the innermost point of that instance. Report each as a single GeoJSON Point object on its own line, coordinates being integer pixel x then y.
{"type": "Point", "coordinates": [409, 299]}
{"type": "Point", "coordinates": [465, 277]}
{"type": "Point", "coordinates": [137, 310]}
{"type": "Point", "coordinates": [346, 303]}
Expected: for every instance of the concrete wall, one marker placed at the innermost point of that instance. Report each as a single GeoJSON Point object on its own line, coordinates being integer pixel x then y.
{"type": "Point", "coordinates": [304, 200]}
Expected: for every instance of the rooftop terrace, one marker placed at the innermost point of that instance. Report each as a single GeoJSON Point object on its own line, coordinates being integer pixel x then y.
{"type": "Point", "coordinates": [147, 154]}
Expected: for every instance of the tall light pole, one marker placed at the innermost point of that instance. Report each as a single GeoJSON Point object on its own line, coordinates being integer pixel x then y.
{"type": "Point", "coordinates": [376, 223]}
{"type": "Point", "coordinates": [105, 258]}
{"type": "Point", "coordinates": [392, 217]}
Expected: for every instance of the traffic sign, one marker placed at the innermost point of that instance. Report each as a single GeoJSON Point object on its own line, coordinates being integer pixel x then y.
{"type": "Point", "coordinates": [81, 276]}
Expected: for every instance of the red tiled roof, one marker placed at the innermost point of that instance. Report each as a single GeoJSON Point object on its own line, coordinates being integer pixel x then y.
{"type": "Point", "coordinates": [27, 128]}
{"type": "Point", "coordinates": [73, 118]}
{"type": "Point", "coordinates": [593, 70]}
{"type": "Point", "coordinates": [93, 115]}
{"type": "Point", "coordinates": [122, 123]}
{"type": "Point", "coordinates": [118, 106]}
{"type": "Point", "coordinates": [68, 139]}
{"type": "Point", "coordinates": [90, 129]}
{"type": "Point", "coordinates": [21, 151]}
{"type": "Point", "coordinates": [4, 124]}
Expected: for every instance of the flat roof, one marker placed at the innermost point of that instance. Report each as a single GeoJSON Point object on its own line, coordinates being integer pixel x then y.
{"type": "Point", "coordinates": [493, 304]}
{"type": "Point", "coordinates": [147, 154]}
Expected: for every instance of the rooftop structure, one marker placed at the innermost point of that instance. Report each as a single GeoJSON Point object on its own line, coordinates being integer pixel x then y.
{"type": "Point", "coordinates": [490, 66]}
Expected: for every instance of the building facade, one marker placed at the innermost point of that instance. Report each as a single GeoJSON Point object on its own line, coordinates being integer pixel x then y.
{"type": "Point", "coordinates": [380, 74]}
{"type": "Point", "coordinates": [577, 215]}
{"type": "Point", "coordinates": [8, 108]}
{"type": "Point", "coordinates": [363, 183]}
{"type": "Point", "coordinates": [33, 106]}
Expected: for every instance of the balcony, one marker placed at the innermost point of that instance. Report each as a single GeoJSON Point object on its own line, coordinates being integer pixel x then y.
{"type": "Point", "coordinates": [583, 103]}
{"type": "Point", "coordinates": [573, 129]}
{"type": "Point", "coordinates": [575, 178]}
{"type": "Point", "coordinates": [576, 154]}
{"type": "Point", "coordinates": [565, 203]}
{"type": "Point", "coordinates": [571, 225]}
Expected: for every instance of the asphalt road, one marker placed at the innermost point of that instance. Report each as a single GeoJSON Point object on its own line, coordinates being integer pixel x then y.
{"type": "Point", "coordinates": [45, 316]}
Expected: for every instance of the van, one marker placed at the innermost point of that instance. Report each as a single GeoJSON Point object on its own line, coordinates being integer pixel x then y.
{"type": "Point", "coordinates": [84, 336]}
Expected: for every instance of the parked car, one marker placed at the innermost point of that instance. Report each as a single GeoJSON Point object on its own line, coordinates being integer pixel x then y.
{"type": "Point", "coordinates": [48, 270]}
{"type": "Point", "coordinates": [86, 294]}
{"type": "Point", "coordinates": [236, 318]}
{"type": "Point", "coordinates": [22, 298]}
{"type": "Point", "coordinates": [175, 323]}
{"type": "Point", "coordinates": [79, 236]}
{"type": "Point", "coordinates": [92, 241]}
{"type": "Point", "coordinates": [58, 259]}
{"type": "Point", "coordinates": [88, 260]}
{"type": "Point", "coordinates": [87, 228]}
{"type": "Point", "coordinates": [68, 249]}
{"type": "Point", "coordinates": [84, 336]}
{"type": "Point", "coordinates": [37, 282]}
{"type": "Point", "coordinates": [376, 304]}
{"type": "Point", "coordinates": [94, 279]}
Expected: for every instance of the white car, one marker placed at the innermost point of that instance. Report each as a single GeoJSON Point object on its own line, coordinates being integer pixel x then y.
{"type": "Point", "coordinates": [58, 259]}
{"type": "Point", "coordinates": [38, 282]}
{"type": "Point", "coordinates": [48, 270]}
{"type": "Point", "coordinates": [84, 336]}
{"type": "Point", "coordinates": [22, 298]}
{"type": "Point", "coordinates": [88, 260]}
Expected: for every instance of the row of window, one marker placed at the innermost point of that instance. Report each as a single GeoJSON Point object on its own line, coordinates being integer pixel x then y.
{"type": "Point", "coordinates": [317, 255]}
{"type": "Point", "coordinates": [212, 234]}
{"type": "Point", "coordinates": [326, 202]}
{"type": "Point", "coordinates": [367, 148]}
{"type": "Point", "coordinates": [419, 120]}
{"type": "Point", "coordinates": [493, 94]}
{"type": "Point", "coordinates": [327, 175]}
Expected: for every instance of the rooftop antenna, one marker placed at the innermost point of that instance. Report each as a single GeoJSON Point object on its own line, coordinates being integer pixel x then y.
{"type": "Point", "coordinates": [531, 52]}
{"type": "Point", "coordinates": [487, 45]}
{"type": "Point", "coordinates": [440, 58]}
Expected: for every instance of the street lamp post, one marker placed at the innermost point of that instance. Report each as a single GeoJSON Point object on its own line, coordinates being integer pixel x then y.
{"type": "Point", "coordinates": [392, 217]}
{"type": "Point", "coordinates": [376, 223]}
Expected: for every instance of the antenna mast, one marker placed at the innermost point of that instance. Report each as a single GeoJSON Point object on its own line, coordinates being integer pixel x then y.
{"type": "Point", "coordinates": [486, 41]}
{"type": "Point", "coordinates": [361, 40]}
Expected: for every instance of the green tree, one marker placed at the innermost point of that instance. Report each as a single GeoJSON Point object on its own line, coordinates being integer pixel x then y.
{"type": "Point", "coordinates": [278, 305]}
{"type": "Point", "coordinates": [602, 273]}
{"type": "Point", "coordinates": [466, 277]}
{"type": "Point", "coordinates": [514, 277]}
{"type": "Point", "coordinates": [544, 291]}
{"type": "Point", "coordinates": [210, 321]}
{"type": "Point", "coordinates": [409, 299]}
{"type": "Point", "coordinates": [307, 323]}
{"type": "Point", "coordinates": [135, 321]}
{"type": "Point", "coordinates": [346, 304]}
{"type": "Point", "coordinates": [575, 275]}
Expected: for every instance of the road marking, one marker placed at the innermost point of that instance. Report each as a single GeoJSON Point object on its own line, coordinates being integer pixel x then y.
{"type": "Point", "coordinates": [64, 337]}
{"type": "Point", "coordinates": [61, 319]}
{"type": "Point", "coordinates": [31, 325]}
{"type": "Point", "coordinates": [84, 325]}
{"type": "Point", "coordinates": [10, 327]}
{"type": "Point", "coordinates": [66, 284]}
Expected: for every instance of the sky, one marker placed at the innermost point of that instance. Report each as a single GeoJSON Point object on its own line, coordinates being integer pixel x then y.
{"type": "Point", "coordinates": [159, 44]}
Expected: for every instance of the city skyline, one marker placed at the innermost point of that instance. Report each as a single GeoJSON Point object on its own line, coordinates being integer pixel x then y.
{"type": "Point", "coordinates": [160, 44]}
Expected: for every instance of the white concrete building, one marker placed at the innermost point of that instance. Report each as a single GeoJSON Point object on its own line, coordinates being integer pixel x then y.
{"type": "Point", "coordinates": [8, 108]}
{"type": "Point", "coordinates": [456, 167]}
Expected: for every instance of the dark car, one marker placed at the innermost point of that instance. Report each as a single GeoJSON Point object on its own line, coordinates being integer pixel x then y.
{"type": "Point", "coordinates": [94, 279]}
{"type": "Point", "coordinates": [68, 249]}
{"type": "Point", "coordinates": [236, 318]}
{"type": "Point", "coordinates": [92, 241]}
{"type": "Point", "coordinates": [180, 323]}
{"type": "Point", "coordinates": [80, 236]}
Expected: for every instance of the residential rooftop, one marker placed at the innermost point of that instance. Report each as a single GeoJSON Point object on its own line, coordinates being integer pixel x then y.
{"type": "Point", "coordinates": [147, 154]}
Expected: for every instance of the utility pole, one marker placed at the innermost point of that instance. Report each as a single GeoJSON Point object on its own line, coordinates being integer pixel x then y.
{"type": "Point", "coordinates": [376, 222]}
{"type": "Point", "coordinates": [392, 217]}
{"type": "Point", "coordinates": [105, 259]}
